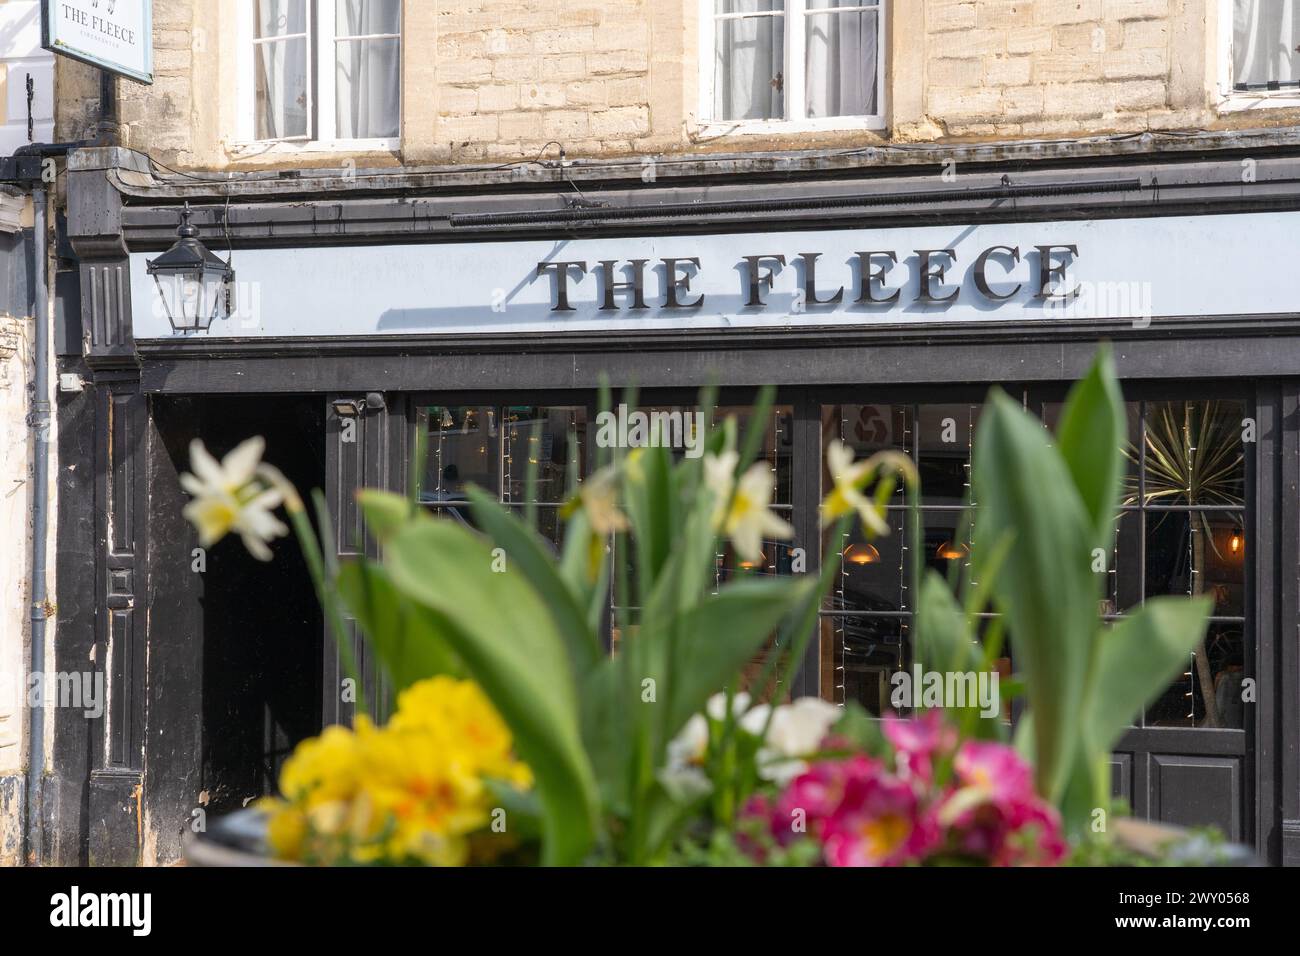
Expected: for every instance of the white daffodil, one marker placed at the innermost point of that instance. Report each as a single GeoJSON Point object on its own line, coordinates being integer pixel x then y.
{"type": "Point", "coordinates": [716, 707]}
{"type": "Point", "coordinates": [755, 719]}
{"type": "Point", "coordinates": [846, 496]}
{"type": "Point", "coordinates": [684, 776]}
{"type": "Point", "coordinates": [599, 497]}
{"type": "Point", "coordinates": [749, 519]}
{"type": "Point", "coordinates": [797, 730]}
{"type": "Point", "coordinates": [690, 745]}
{"type": "Point", "coordinates": [719, 475]}
{"type": "Point", "coordinates": [227, 497]}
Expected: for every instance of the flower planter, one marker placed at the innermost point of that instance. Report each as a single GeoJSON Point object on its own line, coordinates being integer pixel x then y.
{"type": "Point", "coordinates": [239, 839]}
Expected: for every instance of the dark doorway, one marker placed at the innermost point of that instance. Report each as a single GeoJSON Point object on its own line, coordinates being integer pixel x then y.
{"type": "Point", "coordinates": [235, 648]}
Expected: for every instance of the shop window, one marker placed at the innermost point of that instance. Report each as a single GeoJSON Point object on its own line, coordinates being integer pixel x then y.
{"type": "Point", "coordinates": [1260, 53]}
{"type": "Point", "coordinates": [814, 64]}
{"type": "Point", "coordinates": [1181, 530]}
{"type": "Point", "coordinates": [494, 447]}
{"type": "Point", "coordinates": [867, 616]}
{"type": "Point", "coordinates": [320, 71]}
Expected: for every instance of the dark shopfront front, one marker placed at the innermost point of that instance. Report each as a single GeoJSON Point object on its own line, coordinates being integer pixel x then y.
{"type": "Point", "coordinates": [473, 306]}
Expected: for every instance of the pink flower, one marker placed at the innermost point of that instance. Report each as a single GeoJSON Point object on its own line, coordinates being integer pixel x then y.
{"type": "Point", "coordinates": [815, 795]}
{"type": "Point", "coordinates": [995, 815]}
{"type": "Point", "coordinates": [994, 769]}
{"type": "Point", "coordinates": [918, 741]}
{"type": "Point", "coordinates": [880, 822]}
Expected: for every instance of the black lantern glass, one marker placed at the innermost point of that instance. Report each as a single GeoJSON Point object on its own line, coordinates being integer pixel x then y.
{"type": "Point", "coordinates": [192, 281]}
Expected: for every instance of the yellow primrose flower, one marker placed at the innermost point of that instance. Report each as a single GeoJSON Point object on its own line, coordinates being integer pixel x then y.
{"type": "Point", "coordinates": [228, 498]}
{"type": "Point", "coordinates": [414, 790]}
{"type": "Point", "coordinates": [748, 520]}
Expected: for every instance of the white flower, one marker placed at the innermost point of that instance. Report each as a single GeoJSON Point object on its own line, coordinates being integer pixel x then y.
{"type": "Point", "coordinates": [797, 730]}
{"type": "Point", "coordinates": [599, 496]}
{"type": "Point", "coordinates": [749, 520]}
{"type": "Point", "coordinates": [683, 775]}
{"type": "Point", "coordinates": [690, 745]}
{"type": "Point", "coordinates": [755, 719]}
{"type": "Point", "coordinates": [227, 498]}
{"type": "Point", "coordinates": [717, 705]}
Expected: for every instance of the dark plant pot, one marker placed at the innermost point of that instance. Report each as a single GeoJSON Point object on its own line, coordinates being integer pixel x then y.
{"type": "Point", "coordinates": [239, 839]}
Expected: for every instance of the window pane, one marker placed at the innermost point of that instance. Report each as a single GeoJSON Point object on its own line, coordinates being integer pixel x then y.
{"type": "Point", "coordinates": [563, 434]}
{"type": "Point", "coordinates": [1214, 671]}
{"type": "Point", "coordinates": [282, 101]}
{"type": "Point", "coordinates": [869, 428]}
{"type": "Point", "coordinates": [549, 524]}
{"type": "Point", "coordinates": [871, 574]}
{"type": "Point", "coordinates": [1124, 565]}
{"type": "Point", "coordinates": [749, 64]}
{"type": "Point", "coordinates": [464, 448]}
{"type": "Point", "coordinates": [722, 7]}
{"type": "Point", "coordinates": [860, 654]}
{"type": "Point", "coordinates": [276, 18]}
{"type": "Point", "coordinates": [1192, 553]}
{"type": "Point", "coordinates": [840, 67]}
{"type": "Point", "coordinates": [1050, 413]}
{"type": "Point", "coordinates": [1194, 453]}
{"type": "Point", "coordinates": [367, 17]}
{"type": "Point", "coordinates": [680, 428]}
{"type": "Point", "coordinates": [945, 434]}
{"type": "Point", "coordinates": [367, 96]}
{"type": "Point", "coordinates": [1265, 35]}
{"type": "Point", "coordinates": [777, 447]}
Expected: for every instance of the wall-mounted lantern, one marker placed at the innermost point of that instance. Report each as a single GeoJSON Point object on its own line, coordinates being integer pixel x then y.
{"type": "Point", "coordinates": [195, 285]}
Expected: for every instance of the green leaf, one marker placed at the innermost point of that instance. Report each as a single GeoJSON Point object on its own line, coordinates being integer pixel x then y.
{"type": "Point", "coordinates": [1045, 587]}
{"type": "Point", "coordinates": [942, 641]}
{"type": "Point", "coordinates": [404, 635]}
{"type": "Point", "coordinates": [1137, 659]}
{"type": "Point", "coordinates": [651, 506]}
{"type": "Point", "coordinates": [721, 635]}
{"type": "Point", "coordinates": [502, 630]}
{"type": "Point", "coordinates": [526, 552]}
{"type": "Point", "coordinates": [1091, 436]}
{"type": "Point", "coordinates": [386, 513]}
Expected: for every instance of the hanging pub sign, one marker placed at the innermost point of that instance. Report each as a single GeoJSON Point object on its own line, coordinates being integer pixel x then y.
{"type": "Point", "coordinates": [114, 35]}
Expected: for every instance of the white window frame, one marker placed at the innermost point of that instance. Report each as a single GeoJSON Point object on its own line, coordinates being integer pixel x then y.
{"type": "Point", "coordinates": [1232, 101]}
{"type": "Point", "coordinates": [796, 12]}
{"type": "Point", "coordinates": [323, 137]}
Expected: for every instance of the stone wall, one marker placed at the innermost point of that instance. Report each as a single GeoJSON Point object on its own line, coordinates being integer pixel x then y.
{"type": "Point", "coordinates": [503, 80]}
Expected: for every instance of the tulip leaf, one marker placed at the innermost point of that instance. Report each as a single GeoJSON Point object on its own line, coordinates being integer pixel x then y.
{"type": "Point", "coordinates": [942, 643]}
{"type": "Point", "coordinates": [1045, 586]}
{"type": "Point", "coordinates": [525, 550]}
{"type": "Point", "coordinates": [405, 636]}
{"type": "Point", "coordinates": [1091, 437]}
{"type": "Point", "coordinates": [1137, 659]}
{"type": "Point", "coordinates": [720, 636]}
{"type": "Point", "coordinates": [386, 513]}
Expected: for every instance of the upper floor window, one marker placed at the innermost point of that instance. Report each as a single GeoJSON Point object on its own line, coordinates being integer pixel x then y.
{"type": "Point", "coordinates": [321, 70]}
{"type": "Point", "coordinates": [1265, 44]}
{"type": "Point", "coordinates": [806, 63]}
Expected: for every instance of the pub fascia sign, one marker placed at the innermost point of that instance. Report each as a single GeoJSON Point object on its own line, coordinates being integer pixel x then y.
{"type": "Point", "coordinates": [1130, 271]}
{"type": "Point", "coordinates": [114, 35]}
{"type": "Point", "coordinates": [870, 276]}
